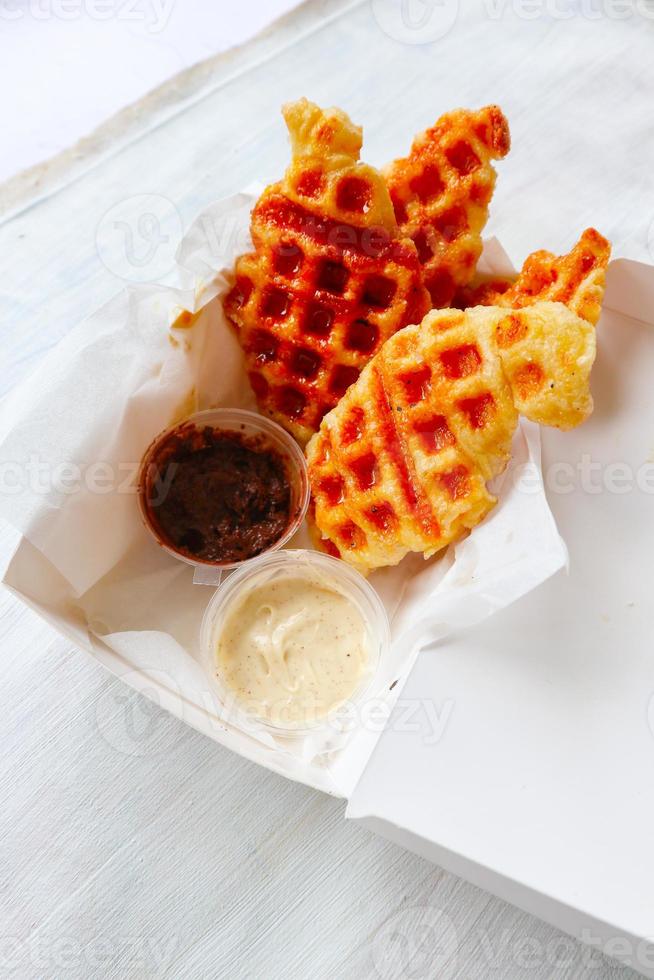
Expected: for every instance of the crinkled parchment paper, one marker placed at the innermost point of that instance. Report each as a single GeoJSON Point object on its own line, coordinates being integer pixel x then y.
{"type": "Point", "coordinates": [71, 438]}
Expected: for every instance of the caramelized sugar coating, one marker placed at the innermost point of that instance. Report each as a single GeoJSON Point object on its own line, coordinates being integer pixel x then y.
{"type": "Point", "coordinates": [576, 279]}
{"type": "Point", "coordinates": [330, 278]}
{"type": "Point", "coordinates": [441, 193]}
{"type": "Point", "coordinates": [401, 464]}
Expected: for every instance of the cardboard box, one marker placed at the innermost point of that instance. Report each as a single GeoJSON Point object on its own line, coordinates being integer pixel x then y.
{"type": "Point", "coordinates": [537, 783]}
{"type": "Point", "coordinates": [86, 563]}
{"type": "Point", "coordinates": [519, 750]}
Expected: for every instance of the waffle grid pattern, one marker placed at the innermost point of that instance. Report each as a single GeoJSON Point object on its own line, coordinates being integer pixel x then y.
{"type": "Point", "coordinates": [311, 314]}
{"type": "Point", "coordinates": [329, 280]}
{"type": "Point", "coordinates": [441, 193]}
{"type": "Point", "coordinates": [402, 463]}
{"type": "Point", "coordinates": [576, 279]}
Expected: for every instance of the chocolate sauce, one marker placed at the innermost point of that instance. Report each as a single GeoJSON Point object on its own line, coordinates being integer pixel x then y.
{"type": "Point", "coordinates": [217, 495]}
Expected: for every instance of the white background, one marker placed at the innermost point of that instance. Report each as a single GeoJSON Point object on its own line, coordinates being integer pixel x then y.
{"type": "Point", "coordinates": [67, 65]}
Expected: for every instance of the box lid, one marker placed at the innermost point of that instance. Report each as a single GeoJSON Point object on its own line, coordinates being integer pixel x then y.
{"type": "Point", "coordinates": [521, 753]}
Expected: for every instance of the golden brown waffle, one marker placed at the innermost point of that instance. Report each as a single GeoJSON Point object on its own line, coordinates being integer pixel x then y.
{"type": "Point", "coordinates": [441, 193]}
{"type": "Point", "coordinates": [576, 279]}
{"type": "Point", "coordinates": [401, 464]}
{"type": "Point", "coordinates": [330, 278]}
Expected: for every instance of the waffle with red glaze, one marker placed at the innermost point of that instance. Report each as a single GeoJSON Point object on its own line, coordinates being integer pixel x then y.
{"type": "Point", "coordinates": [576, 279]}
{"type": "Point", "coordinates": [401, 464]}
{"type": "Point", "coordinates": [441, 192]}
{"type": "Point", "coordinates": [330, 278]}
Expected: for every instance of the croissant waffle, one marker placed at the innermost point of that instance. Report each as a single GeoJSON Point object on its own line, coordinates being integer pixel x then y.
{"type": "Point", "coordinates": [441, 193]}
{"type": "Point", "coordinates": [576, 279]}
{"type": "Point", "coordinates": [330, 278]}
{"type": "Point", "coordinates": [401, 464]}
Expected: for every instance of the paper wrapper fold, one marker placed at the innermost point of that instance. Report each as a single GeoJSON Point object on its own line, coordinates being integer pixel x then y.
{"type": "Point", "coordinates": [72, 437]}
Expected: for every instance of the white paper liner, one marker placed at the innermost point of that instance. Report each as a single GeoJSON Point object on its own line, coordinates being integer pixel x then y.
{"type": "Point", "coordinates": [94, 405]}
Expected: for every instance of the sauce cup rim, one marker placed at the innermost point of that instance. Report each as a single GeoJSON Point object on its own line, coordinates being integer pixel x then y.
{"type": "Point", "coordinates": [229, 419]}
{"type": "Point", "coordinates": [353, 585]}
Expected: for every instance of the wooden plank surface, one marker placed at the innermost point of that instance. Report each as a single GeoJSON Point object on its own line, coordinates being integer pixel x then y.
{"type": "Point", "coordinates": [131, 846]}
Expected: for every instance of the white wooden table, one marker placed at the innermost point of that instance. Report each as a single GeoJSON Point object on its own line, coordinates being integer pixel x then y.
{"type": "Point", "coordinates": [130, 845]}
{"type": "Point", "coordinates": [75, 46]}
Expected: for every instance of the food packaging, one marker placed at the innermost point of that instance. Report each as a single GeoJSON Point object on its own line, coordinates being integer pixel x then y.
{"type": "Point", "coordinates": [71, 440]}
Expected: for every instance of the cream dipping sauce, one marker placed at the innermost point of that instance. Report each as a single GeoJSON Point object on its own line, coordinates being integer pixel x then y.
{"type": "Point", "coordinates": [292, 648]}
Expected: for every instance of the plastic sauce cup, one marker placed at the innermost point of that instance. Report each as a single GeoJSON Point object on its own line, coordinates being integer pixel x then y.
{"type": "Point", "coordinates": [268, 569]}
{"type": "Point", "coordinates": [269, 435]}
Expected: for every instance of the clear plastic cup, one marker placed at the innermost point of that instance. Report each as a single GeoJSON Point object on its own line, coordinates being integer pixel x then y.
{"type": "Point", "coordinates": [291, 563]}
{"type": "Point", "coordinates": [248, 424]}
